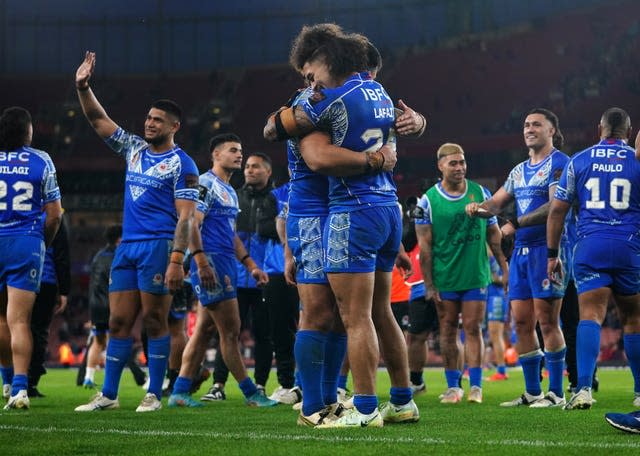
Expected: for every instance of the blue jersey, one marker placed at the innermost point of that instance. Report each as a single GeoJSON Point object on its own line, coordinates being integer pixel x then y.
{"type": "Point", "coordinates": [529, 186]}
{"type": "Point", "coordinates": [27, 183]}
{"type": "Point", "coordinates": [308, 190]}
{"type": "Point", "coordinates": [274, 251]}
{"type": "Point", "coordinates": [605, 180]}
{"type": "Point", "coordinates": [219, 204]}
{"type": "Point", "coordinates": [359, 115]}
{"type": "Point", "coordinates": [153, 182]}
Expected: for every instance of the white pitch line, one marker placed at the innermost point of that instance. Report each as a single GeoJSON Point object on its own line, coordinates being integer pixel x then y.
{"type": "Point", "coordinates": [318, 437]}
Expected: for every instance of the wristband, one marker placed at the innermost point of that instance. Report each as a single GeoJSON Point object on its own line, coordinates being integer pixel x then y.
{"type": "Point", "coordinates": [514, 222]}
{"type": "Point", "coordinates": [200, 259]}
{"type": "Point", "coordinates": [83, 88]}
{"type": "Point", "coordinates": [375, 161]}
{"type": "Point", "coordinates": [552, 253]}
{"type": "Point", "coordinates": [177, 256]}
{"type": "Point", "coordinates": [195, 252]}
{"type": "Point", "coordinates": [244, 258]}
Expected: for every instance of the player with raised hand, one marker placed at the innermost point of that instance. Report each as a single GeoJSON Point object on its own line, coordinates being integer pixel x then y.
{"type": "Point", "coordinates": [160, 198]}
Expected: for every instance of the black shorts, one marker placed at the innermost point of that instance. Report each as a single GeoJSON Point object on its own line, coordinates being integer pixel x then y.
{"type": "Point", "coordinates": [423, 316]}
{"type": "Point", "coordinates": [100, 317]}
{"type": "Point", "coordinates": [401, 313]}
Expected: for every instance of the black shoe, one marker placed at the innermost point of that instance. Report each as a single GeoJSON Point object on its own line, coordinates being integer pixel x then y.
{"type": "Point", "coordinates": [595, 384]}
{"type": "Point", "coordinates": [33, 392]}
{"type": "Point", "coordinates": [203, 375]}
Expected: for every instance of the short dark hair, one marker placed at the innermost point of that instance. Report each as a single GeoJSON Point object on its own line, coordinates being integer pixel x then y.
{"type": "Point", "coordinates": [113, 232]}
{"type": "Point", "coordinates": [343, 54]}
{"type": "Point", "coordinates": [263, 156]}
{"type": "Point", "coordinates": [14, 128]}
{"type": "Point", "coordinates": [223, 138]}
{"type": "Point", "coordinates": [558, 139]}
{"type": "Point", "coordinates": [617, 123]}
{"type": "Point", "coordinates": [168, 106]}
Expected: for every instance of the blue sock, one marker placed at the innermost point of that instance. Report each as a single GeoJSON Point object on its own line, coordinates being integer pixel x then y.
{"type": "Point", "coordinates": [342, 381]}
{"type": "Point", "coordinates": [531, 369]}
{"type": "Point", "coordinates": [247, 387]}
{"type": "Point", "coordinates": [632, 350]}
{"type": "Point", "coordinates": [475, 376]}
{"type": "Point", "coordinates": [502, 369]}
{"type": "Point", "coordinates": [334, 352]}
{"type": "Point", "coordinates": [19, 382]}
{"type": "Point", "coordinates": [159, 349]}
{"type": "Point", "coordinates": [309, 351]}
{"type": "Point", "coordinates": [365, 403]}
{"type": "Point", "coordinates": [400, 396]}
{"type": "Point", "coordinates": [555, 365]}
{"type": "Point", "coordinates": [453, 378]}
{"type": "Point", "coordinates": [118, 352]}
{"type": "Point", "coordinates": [182, 385]}
{"type": "Point", "coordinates": [7, 375]}
{"type": "Point", "coordinates": [587, 351]}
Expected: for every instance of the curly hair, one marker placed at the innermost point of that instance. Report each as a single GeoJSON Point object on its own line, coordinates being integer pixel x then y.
{"type": "Point", "coordinates": [343, 54]}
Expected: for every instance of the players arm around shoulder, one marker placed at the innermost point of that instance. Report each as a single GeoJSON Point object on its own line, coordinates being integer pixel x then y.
{"type": "Point", "coordinates": [91, 107]}
{"type": "Point", "coordinates": [323, 157]}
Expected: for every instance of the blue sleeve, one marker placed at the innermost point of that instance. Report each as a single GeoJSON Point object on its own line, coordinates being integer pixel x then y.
{"type": "Point", "coordinates": [318, 102]}
{"type": "Point", "coordinates": [558, 166]}
{"type": "Point", "coordinates": [423, 203]}
{"type": "Point", "coordinates": [50, 188]}
{"type": "Point", "coordinates": [186, 185]}
{"type": "Point", "coordinates": [566, 189]}
{"type": "Point", "coordinates": [122, 142]}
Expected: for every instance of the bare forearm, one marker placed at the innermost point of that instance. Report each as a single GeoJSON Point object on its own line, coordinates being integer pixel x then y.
{"type": "Point", "coordinates": [51, 226]}
{"type": "Point", "coordinates": [555, 224]}
{"type": "Point", "coordinates": [537, 217]}
{"type": "Point", "coordinates": [335, 161]}
{"type": "Point", "coordinates": [181, 235]}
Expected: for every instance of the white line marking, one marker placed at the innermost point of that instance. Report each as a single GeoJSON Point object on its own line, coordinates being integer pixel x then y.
{"type": "Point", "coordinates": [318, 437]}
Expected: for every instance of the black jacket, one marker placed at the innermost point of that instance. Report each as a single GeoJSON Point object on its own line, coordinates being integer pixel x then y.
{"type": "Point", "coordinates": [258, 212]}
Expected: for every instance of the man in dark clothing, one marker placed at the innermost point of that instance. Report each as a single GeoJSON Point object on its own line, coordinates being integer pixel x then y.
{"type": "Point", "coordinates": [52, 299]}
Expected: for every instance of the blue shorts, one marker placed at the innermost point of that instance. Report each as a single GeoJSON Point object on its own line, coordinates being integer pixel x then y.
{"type": "Point", "coordinates": [600, 262]}
{"type": "Point", "coordinates": [474, 294]}
{"type": "Point", "coordinates": [497, 306]}
{"type": "Point", "coordinates": [304, 236]}
{"type": "Point", "coordinates": [366, 240]}
{"type": "Point", "coordinates": [226, 272]}
{"type": "Point", "coordinates": [140, 265]}
{"type": "Point", "coordinates": [22, 261]}
{"type": "Point", "coordinates": [528, 275]}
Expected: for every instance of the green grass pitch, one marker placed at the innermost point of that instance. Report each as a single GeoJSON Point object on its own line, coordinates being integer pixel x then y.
{"type": "Point", "coordinates": [51, 427]}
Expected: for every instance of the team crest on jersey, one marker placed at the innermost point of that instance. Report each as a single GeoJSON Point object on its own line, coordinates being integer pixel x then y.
{"type": "Point", "coordinates": [136, 191]}
{"type": "Point", "coordinates": [523, 204]}
{"type": "Point", "coordinates": [157, 279]}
